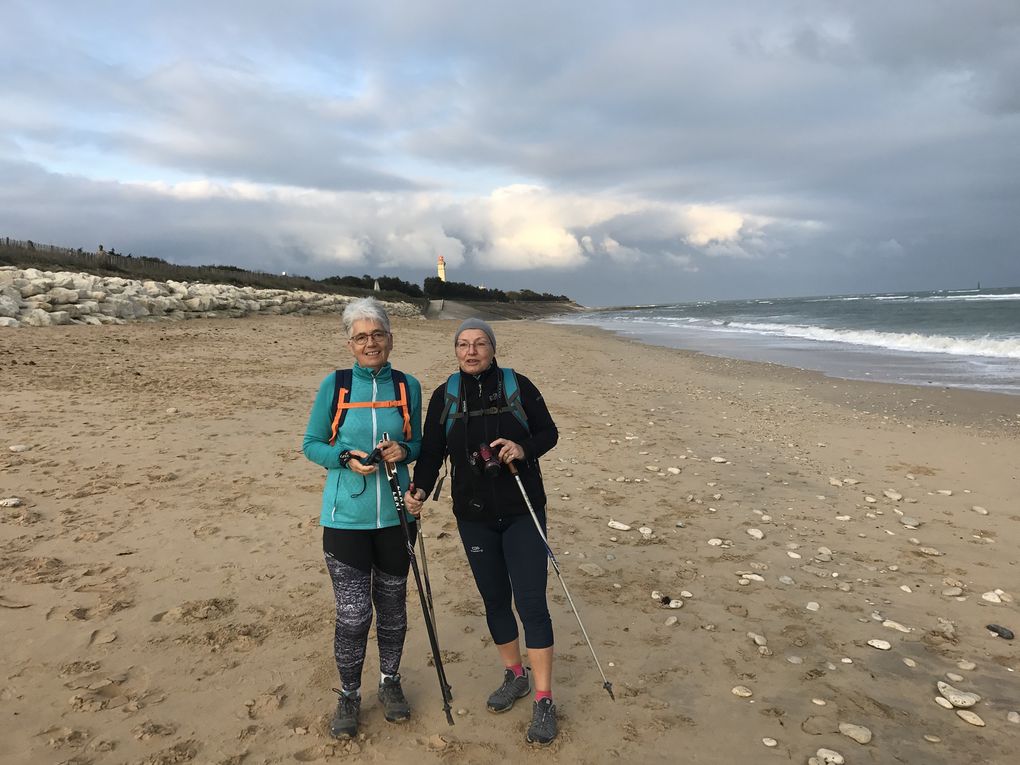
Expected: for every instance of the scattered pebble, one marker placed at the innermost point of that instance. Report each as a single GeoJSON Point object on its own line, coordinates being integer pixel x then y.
{"type": "Point", "coordinates": [881, 645]}
{"type": "Point", "coordinates": [1013, 717]}
{"type": "Point", "coordinates": [818, 702]}
{"type": "Point", "coordinates": [944, 703]}
{"type": "Point", "coordinates": [721, 460]}
{"type": "Point", "coordinates": [932, 739]}
{"type": "Point", "coordinates": [858, 733]}
{"type": "Point", "coordinates": [16, 448]}
{"type": "Point", "coordinates": [756, 533]}
{"type": "Point", "coordinates": [970, 717]}
{"type": "Point", "coordinates": [979, 510]}
{"type": "Point", "coordinates": [770, 742]}
{"type": "Point", "coordinates": [946, 492]}
{"type": "Point", "coordinates": [10, 502]}
{"type": "Point", "coordinates": [1004, 632]}
{"type": "Point", "coordinates": [671, 620]}
{"type": "Point", "coordinates": [812, 606]}
{"type": "Point", "coordinates": [956, 697]}
{"type": "Point", "coordinates": [966, 666]}
{"type": "Point", "coordinates": [896, 626]}
{"type": "Point", "coordinates": [953, 677]}
{"type": "Point", "coordinates": [829, 757]}
{"type": "Point", "coordinates": [742, 691]}
{"type": "Point", "coordinates": [991, 597]}
{"type": "Point", "coordinates": [618, 526]}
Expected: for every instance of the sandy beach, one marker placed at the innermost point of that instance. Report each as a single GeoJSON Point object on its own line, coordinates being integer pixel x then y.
{"type": "Point", "coordinates": [164, 598]}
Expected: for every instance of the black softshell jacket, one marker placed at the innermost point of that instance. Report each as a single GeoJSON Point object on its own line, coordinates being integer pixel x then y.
{"type": "Point", "coordinates": [498, 496]}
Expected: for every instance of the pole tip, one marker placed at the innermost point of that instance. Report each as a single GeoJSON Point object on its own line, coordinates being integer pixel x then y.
{"type": "Point", "coordinates": [609, 689]}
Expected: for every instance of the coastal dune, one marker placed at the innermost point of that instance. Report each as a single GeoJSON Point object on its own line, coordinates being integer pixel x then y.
{"type": "Point", "coordinates": [832, 551]}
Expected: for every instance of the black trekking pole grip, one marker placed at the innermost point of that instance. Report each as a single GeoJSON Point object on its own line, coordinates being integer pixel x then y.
{"type": "Point", "coordinates": [437, 659]}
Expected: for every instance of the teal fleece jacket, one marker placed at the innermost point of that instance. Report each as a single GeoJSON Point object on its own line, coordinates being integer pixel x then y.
{"type": "Point", "coordinates": [348, 502]}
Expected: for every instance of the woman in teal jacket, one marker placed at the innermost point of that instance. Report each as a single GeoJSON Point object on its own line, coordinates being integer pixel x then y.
{"type": "Point", "coordinates": [363, 543]}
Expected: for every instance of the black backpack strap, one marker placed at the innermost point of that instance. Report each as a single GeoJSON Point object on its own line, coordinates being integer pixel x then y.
{"type": "Point", "coordinates": [342, 381]}
{"type": "Point", "coordinates": [401, 394]}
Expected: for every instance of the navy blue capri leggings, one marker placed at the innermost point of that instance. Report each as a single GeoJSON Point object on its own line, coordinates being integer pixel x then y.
{"type": "Point", "coordinates": [510, 565]}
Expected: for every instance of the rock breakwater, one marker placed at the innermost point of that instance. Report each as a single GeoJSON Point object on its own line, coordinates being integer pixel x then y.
{"type": "Point", "coordinates": [33, 298]}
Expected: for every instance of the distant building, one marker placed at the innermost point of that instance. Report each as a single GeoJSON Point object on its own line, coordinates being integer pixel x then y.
{"type": "Point", "coordinates": [441, 268]}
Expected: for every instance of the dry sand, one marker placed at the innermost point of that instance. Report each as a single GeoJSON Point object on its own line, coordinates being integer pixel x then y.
{"type": "Point", "coordinates": [164, 599]}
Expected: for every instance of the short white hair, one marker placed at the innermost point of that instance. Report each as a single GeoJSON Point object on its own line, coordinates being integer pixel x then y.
{"type": "Point", "coordinates": [368, 309]}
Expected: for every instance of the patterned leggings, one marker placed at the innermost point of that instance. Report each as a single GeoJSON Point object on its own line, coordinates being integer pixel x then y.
{"type": "Point", "coordinates": [367, 568]}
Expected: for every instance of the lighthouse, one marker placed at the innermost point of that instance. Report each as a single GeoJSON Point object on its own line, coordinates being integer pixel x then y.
{"type": "Point", "coordinates": [441, 268]}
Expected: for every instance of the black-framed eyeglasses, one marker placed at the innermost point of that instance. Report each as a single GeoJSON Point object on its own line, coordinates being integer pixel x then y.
{"type": "Point", "coordinates": [376, 336]}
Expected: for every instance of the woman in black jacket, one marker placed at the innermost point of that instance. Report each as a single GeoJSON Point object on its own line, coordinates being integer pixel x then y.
{"type": "Point", "coordinates": [476, 418]}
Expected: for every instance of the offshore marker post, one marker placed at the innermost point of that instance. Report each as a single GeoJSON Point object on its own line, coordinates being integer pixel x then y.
{"type": "Point", "coordinates": [430, 627]}
{"type": "Point", "coordinates": [556, 567]}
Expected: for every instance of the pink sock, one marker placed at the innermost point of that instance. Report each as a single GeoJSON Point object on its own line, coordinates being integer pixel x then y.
{"type": "Point", "coordinates": [539, 695]}
{"type": "Point", "coordinates": [517, 669]}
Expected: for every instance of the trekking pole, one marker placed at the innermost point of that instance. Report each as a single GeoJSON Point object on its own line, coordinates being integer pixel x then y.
{"type": "Point", "coordinates": [556, 567]}
{"type": "Point", "coordinates": [437, 659]}
{"type": "Point", "coordinates": [425, 566]}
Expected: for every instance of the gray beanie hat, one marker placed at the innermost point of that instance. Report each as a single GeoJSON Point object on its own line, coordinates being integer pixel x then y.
{"type": "Point", "coordinates": [476, 324]}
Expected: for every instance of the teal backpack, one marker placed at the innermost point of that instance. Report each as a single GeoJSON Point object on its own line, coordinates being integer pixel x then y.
{"type": "Point", "coordinates": [456, 409]}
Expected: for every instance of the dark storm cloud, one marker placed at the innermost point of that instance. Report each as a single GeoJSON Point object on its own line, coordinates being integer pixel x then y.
{"type": "Point", "coordinates": [665, 150]}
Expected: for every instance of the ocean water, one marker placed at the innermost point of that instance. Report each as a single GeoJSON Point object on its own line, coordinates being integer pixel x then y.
{"type": "Point", "coordinates": [962, 338]}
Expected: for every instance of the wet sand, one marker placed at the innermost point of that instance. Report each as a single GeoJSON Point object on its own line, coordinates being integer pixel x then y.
{"type": "Point", "coordinates": [164, 598]}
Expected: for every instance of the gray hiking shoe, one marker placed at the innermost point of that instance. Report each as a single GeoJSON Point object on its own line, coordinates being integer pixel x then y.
{"type": "Point", "coordinates": [345, 718]}
{"type": "Point", "coordinates": [513, 688]}
{"type": "Point", "coordinates": [542, 730]}
{"type": "Point", "coordinates": [392, 697]}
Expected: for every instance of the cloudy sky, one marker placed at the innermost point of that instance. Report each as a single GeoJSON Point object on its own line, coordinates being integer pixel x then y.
{"type": "Point", "coordinates": [618, 152]}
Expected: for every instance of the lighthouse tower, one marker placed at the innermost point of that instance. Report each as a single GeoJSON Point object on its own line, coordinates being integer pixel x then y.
{"type": "Point", "coordinates": [441, 268]}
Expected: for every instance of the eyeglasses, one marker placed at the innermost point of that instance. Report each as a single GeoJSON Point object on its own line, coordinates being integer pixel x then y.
{"type": "Point", "coordinates": [376, 337]}
{"type": "Point", "coordinates": [478, 345]}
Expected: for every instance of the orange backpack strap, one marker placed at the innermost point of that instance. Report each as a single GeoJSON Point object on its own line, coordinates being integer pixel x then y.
{"type": "Point", "coordinates": [342, 403]}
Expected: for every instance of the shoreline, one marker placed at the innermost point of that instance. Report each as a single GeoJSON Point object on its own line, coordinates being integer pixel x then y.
{"type": "Point", "coordinates": [839, 366]}
{"type": "Point", "coordinates": [164, 595]}
{"type": "Point", "coordinates": [944, 405]}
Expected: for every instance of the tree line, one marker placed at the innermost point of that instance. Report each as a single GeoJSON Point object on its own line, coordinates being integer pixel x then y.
{"type": "Point", "coordinates": [108, 262]}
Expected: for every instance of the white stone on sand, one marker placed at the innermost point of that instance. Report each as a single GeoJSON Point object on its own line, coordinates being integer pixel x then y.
{"type": "Point", "coordinates": [970, 717]}
{"type": "Point", "coordinates": [858, 733]}
{"type": "Point", "coordinates": [956, 697]}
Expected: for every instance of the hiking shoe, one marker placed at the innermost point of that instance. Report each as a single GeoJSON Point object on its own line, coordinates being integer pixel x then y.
{"type": "Point", "coordinates": [345, 719]}
{"type": "Point", "coordinates": [542, 730]}
{"type": "Point", "coordinates": [392, 697]}
{"type": "Point", "coordinates": [513, 688]}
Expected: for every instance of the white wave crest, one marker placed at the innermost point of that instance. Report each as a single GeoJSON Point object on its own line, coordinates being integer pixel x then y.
{"type": "Point", "coordinates": [1003, 348]}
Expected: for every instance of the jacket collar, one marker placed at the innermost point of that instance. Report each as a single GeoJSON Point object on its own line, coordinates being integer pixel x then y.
{"type": "Point", "coordinates": [364, 373]}
{"type": "Point", "coordinates": [484, 376]}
